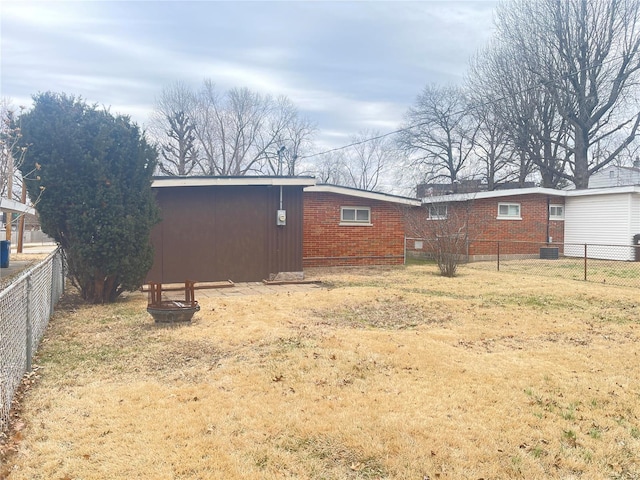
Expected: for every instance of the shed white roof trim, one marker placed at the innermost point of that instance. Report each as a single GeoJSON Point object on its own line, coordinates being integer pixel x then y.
{"type": "Point", "coordinates": [160, 182]}
{"type": "Point", "coordinates": [12, 206]}
{"type": "Point", "coordinates": [603, 191]}
{"type": "Point", "coordinates": [355, 192]}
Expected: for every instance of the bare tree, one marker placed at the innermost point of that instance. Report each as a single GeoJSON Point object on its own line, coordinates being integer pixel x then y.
{"type": "Point", "coordinates": [495, 154]}
{"type": "Point", "coordinates": [12, 153]}
{"type": "Point", "coordinates": [444, 228]}
{"type": "Point", "coordinates": [367, 161]}
{"type": "Point", "coordinates": [523, 111]}
{"type": "Point", "coordinates": [293, 140]}
{"type": "Point", "coordinates": [329, 168]}
{"type": "Point", "coordinates": [440, 134]}
{"type": "Point", "coordinates": [242, 132]}
{"type": "Point", "coordinates": [586, 54]}
{"type": "Point", "coordinates": [173, 125]}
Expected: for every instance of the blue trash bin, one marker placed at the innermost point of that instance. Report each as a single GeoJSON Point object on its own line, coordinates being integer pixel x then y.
{"type": "Point", "coordinates": [5, 249]}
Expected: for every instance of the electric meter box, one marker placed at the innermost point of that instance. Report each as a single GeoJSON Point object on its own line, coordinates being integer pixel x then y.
{"type": "Point", "coordinates": [281, 217]}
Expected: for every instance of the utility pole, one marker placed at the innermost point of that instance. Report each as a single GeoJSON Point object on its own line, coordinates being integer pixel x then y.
{"type": "Point", "coordinates": [23, 199]}
{"type": "Point", "coordinates": [9, 193]}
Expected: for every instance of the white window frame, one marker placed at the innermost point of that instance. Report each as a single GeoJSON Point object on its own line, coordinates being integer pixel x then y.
{"type": "Point", "coordinates": [438, 216]}
{"type": "Point", "coordinates": [556, 216]}
{"type": "Point", "coordinates": [355, 222]}
{"type": "Point", "coordinates": [509, 216]}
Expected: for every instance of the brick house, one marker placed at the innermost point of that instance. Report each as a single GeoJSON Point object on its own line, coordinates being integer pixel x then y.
{"type": "Point", "coordinates": [253, 228]}
{"type": "Point", "coordinates": [522, 218]}
{"type": "Point", "coordinates": [348, 226]}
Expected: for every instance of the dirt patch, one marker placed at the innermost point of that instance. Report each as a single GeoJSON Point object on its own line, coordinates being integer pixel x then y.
{"type": "Point", "coordinates": [393, 313]}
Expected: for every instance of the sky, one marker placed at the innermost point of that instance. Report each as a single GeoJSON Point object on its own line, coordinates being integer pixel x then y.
{"type": "Point", "coordinates": [348, 66]}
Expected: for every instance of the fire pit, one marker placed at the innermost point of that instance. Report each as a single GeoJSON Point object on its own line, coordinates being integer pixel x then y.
{"type": "Point", "coordinates": [171, 311]}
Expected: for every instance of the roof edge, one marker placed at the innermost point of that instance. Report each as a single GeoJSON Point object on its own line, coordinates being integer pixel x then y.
{"type": "Point", "coordinates": [162, 182]}
{"type": "Point", "coordinates": [356, 192]}
{"type": "Point", "coordinates": [604, 191]}
{"type": "Point", "coordinates": [12, 206]}
{"type": "Point", "coordinates": [463, 197]}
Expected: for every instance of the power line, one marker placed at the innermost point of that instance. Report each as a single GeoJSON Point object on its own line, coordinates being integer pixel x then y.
{"type": "Point", "coordinates": [460, 112]}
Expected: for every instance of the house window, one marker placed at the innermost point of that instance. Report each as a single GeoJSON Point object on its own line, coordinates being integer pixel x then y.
{"type": "Point", "coordinates": [355, 216]}
{"type": "Point", "coordinates": [556, 212]}
{"type": "Point", "coordinates": [437, 212]}
{"type": "Point", "coordinates": [509, 211]}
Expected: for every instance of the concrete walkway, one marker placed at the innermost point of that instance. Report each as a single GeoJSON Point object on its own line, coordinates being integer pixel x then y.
{"type": "Point", "coordinates": [237, 290]}
{"type": "Point", "coordinates": [255, 288]}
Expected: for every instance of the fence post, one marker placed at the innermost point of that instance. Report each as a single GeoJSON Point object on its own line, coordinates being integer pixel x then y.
{"type": "Point", "coordinates": [54, 284]}
{"type": "Point", "coordinates": [585, 262]}
{"type": "Point", "coordinates": [404, 260]}
{"type": "Point", "coordinates": [498, 256]}
{"type": "Point", "coordinates": [29, 329]}
{"type": "Point", "coordinates": [60, 257]}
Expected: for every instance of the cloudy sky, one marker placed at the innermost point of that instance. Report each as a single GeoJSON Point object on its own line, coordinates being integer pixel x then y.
{"type": "Point", "coordinates": [349, 66]}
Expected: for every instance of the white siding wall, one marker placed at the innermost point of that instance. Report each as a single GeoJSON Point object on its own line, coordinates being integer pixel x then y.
{"type": "Point", "coordinates": [635, 220]}
{"type": "Point", "coordinates": [601, 219]}
{"type": "Point", "coordinates": [614, 176]}
{"type": "Point", "coordinates": [635, 214]}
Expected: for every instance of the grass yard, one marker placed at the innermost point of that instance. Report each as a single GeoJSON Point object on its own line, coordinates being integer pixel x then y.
{"type": "Point", "coordinates": [386, 373]}
{"type": "Point", "coordinates": [599, 271]}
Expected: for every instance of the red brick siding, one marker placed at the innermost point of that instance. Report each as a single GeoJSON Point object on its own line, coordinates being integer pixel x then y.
{"type": "Point", "coordinates": [485, 229]}
{"type": "Point", "coordinates": [532, 228]}
{"type": "Point", "coordinates": [327, 243]}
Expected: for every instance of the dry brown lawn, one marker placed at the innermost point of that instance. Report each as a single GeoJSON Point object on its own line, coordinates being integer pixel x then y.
{"type": "Point", "coordinates": [392, 373]}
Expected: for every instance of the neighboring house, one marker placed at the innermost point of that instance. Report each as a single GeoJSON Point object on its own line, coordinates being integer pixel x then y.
{"type": "Point", "coordinates": [231, 228]}
{"type": "Point", "coordinates": [528, 218]}
{"type": "Point", "coordinates": [255, 228]}
{"type": "Point", "coordinates": [32, 232]}
{"type": "Point", "coordinates": [348, 226]}
{"type": "Point", "coordinates": [32, 226]}
{"type": "Point", "coordinates": [11, 206]}
{"type": "Point", "coordinates": [616, 176]}
{"type": "Point", "coordinates": [227, 228]}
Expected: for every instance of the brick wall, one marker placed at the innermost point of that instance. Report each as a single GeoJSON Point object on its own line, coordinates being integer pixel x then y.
{"type": "Point", "coordinates": [532, 228]}
{"type": "Point", "coordinates": [519, 237]}
{"type": "Point", "coordinates": [327, 243]}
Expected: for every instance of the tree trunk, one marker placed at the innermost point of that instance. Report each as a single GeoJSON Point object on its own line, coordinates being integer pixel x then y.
{"type": "Point", "coordinates": [581, 158]}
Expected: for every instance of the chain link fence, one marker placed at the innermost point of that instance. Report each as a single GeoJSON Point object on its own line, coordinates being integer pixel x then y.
{"type": "Point", "coordinates": [25, 308]}
{"type": "Point", "coordinates": [609, 264]}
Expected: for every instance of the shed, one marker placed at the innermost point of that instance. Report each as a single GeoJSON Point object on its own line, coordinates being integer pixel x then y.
{"type": "Point", "coordinates": [227, 228]}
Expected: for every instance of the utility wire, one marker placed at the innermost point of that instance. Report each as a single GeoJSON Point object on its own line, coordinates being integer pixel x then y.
{"type": "Point", "coordinates": [460, 112]}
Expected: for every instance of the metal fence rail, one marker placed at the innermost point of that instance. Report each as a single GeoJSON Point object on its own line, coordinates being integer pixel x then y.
{"type": "Point", "coordinates": [612, 264]}
{"type": "Point", "coordinates": [25, 308]}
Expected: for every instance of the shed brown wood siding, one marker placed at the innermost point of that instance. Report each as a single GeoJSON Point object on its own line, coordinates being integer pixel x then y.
{"type": "Point", "coordinates": [217, 233]}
